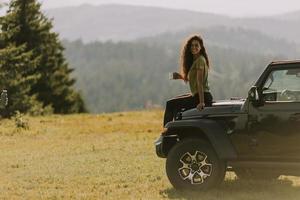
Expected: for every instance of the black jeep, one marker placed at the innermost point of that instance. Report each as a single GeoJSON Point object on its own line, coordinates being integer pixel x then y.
{"type": "Point", "coordinates": [257, 137]}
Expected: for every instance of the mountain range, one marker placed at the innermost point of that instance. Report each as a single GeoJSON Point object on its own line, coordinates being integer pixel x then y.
{"type": "Point", "coordinates": [124, 22]}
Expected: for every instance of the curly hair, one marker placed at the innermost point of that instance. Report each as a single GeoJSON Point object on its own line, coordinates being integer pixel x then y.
{"type": "Point", "coordinates": [186, 58]}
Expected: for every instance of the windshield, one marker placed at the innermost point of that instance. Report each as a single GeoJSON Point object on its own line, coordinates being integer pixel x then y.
{"type": "Point", "coordinates": [282, 85]}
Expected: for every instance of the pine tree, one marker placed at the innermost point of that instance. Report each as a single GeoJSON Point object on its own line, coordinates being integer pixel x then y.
{"type": "Point", "coordinates": [26, 25]}
{"type": "Point", "coordinates": [17, 79]}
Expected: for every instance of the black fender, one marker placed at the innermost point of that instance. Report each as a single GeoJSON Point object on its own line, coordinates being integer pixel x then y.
{"type": "Point", "coordinates": [214, 132]}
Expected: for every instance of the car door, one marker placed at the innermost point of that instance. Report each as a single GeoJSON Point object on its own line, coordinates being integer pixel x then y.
{"type": "Point", "coordinates": [275, 127]}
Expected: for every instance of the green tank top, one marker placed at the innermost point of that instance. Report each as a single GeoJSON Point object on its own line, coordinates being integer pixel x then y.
{"type": "Point", "coordinates": [199, 63]}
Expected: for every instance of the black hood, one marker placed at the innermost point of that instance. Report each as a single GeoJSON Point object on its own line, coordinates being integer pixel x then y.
{"type": "Point", "coordinates": [227, 107]}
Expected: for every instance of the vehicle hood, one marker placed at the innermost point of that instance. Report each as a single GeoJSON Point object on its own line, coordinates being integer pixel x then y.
{"type": "Point", "coordinates": [224, 107]}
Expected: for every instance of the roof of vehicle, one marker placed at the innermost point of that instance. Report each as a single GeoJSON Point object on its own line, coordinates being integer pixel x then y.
{"type": "Point", "coordinates": [281, 62]}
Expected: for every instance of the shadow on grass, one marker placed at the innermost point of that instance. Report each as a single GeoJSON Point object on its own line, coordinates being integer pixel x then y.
{"type": "Point", "coordinates": [241, 189]}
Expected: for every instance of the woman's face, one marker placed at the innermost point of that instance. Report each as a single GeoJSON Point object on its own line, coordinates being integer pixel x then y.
{"type": "Point", "coordinates": [195, 47]}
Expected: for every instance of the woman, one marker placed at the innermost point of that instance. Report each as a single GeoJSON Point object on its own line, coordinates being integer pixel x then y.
{"type": "Point", "coordinates": [194, 69]}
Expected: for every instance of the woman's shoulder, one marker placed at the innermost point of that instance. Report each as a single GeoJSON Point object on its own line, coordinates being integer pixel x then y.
{"type": "Point", "coordinates": [200, 61]}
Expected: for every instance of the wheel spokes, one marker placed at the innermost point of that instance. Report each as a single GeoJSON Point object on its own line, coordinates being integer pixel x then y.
{"type": "Point", "coordinates": [196, 167]}
{"type": "Point", "coordinates": [200, 157]}
{"type": "Point", "coordinates": [197, 178]}
{"type": "Point", "coordinates": [186, 159]}
{"type": "Point", "coordinates": [185, 172]}
{"type": "Point", "coordinates": [207, 169]}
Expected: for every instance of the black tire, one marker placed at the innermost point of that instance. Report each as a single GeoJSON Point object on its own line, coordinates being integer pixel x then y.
{"type": "Point", "coordinates": [193, 164]}
{"type": "Point", "coordinates": [255, 174]}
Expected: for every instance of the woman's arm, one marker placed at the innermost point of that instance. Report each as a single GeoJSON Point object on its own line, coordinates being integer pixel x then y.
{"type": "Point", "coordinates": [200, 73]}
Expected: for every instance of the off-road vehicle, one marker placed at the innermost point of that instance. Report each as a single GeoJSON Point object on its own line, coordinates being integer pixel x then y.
{"type": "Point", "coordinates": [256, 137]}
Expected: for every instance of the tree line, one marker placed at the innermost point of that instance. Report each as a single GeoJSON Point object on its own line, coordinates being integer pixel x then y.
{"type": "Point", "coordinates": [32, 64]}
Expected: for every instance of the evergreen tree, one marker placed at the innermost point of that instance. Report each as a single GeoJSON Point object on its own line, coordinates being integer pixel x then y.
{"type": "Point", "coordinates": [17, 79]}
{"type": "Point", "coordinates": [26, 25]}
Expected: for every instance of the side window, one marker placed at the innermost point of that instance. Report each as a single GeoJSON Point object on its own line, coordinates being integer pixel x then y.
{"type": "Point", "coordinates": [282, 86]}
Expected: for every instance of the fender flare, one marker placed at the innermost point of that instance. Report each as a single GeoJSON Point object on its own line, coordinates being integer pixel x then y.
{"type": "Point", "coordinates": [215, 133]}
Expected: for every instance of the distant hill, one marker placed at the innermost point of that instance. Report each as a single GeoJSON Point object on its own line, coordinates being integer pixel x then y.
{"type": "Point", "coordinates": [243, 40]}
{"type": "Point", "coordinates": [283, 27]}
{"type": "Point", "coordinates": [120, 22]}
{"type": "Point", "coordinates": [289, 16]}
{"type": "Point", "coordinates": [123, 22]}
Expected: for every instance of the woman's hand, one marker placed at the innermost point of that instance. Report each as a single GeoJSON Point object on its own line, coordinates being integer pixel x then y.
{"type": "Point", "coordinates": [200, 106]}
{"type": "Point", "coordinates": [176, 76]}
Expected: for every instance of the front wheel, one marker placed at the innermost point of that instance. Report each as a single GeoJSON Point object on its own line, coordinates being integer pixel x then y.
{"type": "Point", "coordinates": [193, 164]}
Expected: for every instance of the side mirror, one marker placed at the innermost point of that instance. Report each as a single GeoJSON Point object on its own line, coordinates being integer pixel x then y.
{"type": "Point", "coordinates": [3, 98]}
{"type": "Point", "coordinates": [253, 96]}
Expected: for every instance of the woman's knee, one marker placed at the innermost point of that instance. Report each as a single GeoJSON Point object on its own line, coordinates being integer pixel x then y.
{"type": "Point", "coordinates": [170, 104]}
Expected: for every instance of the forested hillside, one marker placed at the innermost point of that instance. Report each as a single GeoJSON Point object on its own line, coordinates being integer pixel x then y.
{"type": "Point", "coordinates": [126, 75]}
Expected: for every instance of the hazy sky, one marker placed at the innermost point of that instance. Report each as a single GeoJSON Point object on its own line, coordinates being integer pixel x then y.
{"type": "Point", "coordinates": [236, 8]}
{"type": "Point", "coordinates": [228, 7]}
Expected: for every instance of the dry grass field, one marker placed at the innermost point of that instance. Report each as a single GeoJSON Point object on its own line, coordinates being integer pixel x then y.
{"type": "Point", "coordinates": [107, 156]}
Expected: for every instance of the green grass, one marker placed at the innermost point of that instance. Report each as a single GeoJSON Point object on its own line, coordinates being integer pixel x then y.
{"type": "Point", "coordinates": [109, 156]}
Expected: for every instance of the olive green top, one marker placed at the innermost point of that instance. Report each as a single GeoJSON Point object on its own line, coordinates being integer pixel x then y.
{"type": "Point", "coordinates": [199, 63]}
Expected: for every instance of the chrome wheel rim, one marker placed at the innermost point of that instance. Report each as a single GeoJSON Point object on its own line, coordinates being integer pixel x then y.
{"type": "Point", "coordinates": [195, 167]}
